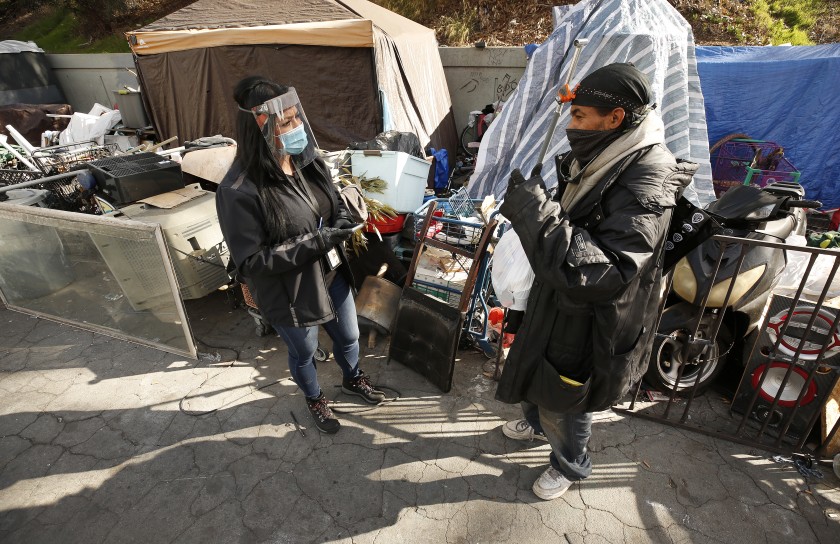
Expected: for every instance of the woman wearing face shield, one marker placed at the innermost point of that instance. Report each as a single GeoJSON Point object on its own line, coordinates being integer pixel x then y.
{"type": "Point", "coordinates": [286, 226]}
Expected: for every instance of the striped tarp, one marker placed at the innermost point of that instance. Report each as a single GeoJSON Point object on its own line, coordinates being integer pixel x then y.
{"type": "Point", "coordinates": [649, 33]}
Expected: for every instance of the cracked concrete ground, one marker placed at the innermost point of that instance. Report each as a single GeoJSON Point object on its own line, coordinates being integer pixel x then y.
{"type": "Point", "coordinates": [106, 441]}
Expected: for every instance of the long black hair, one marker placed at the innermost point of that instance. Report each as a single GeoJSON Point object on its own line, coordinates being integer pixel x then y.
{"type": "Point", "coordinates": [254, 155]}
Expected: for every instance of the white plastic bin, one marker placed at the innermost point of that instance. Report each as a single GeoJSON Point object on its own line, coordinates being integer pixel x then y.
{"type": "Point", "coordinates": [131, 109]}
{"type": "Point", "coordinates": [405, 175]}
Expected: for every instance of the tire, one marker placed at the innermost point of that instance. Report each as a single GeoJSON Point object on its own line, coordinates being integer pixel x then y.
{"type": "Point", "coordinates": [321, 354]}
{"type": "Point", "coordinates": [468, 135]}
{"type": "Point", "coordinates": [666, 357]}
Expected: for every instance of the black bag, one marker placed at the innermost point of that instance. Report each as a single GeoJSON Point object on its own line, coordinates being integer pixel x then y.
{"type": "Point", "coordinates": [407, 142]}
{"type": "Point", "coordinates": [690, 227]}
{"type": "Point", "coordinates": [353, 198]}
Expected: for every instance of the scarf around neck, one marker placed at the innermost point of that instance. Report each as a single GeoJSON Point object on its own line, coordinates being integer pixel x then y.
{"type": "Point", "coordinates": [651, 131]}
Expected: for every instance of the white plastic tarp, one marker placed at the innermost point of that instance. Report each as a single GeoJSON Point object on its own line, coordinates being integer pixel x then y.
{"type": "Point", "coordinates": [649, 33]}
{"type": "Point", "coordinates": [91, 126]}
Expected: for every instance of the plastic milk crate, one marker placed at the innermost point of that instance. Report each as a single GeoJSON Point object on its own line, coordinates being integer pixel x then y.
{"type": "Point", "coordinates": [405, 175]}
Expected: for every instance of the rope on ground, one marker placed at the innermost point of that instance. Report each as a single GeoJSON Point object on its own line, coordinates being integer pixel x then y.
{"type": "Point", "coordinates": [803, 464]}
{"type": "Point", "coordinates": [229, 365]}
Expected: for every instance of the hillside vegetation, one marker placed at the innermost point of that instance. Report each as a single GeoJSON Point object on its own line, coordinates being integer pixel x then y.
{"type": "Point", "coordinates": [98, 26]}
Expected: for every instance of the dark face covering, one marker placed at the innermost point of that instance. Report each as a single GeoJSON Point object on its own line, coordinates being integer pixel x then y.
{"type": "Point", "coordinates": [587, 144]}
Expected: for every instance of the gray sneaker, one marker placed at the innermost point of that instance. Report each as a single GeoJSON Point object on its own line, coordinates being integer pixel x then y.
{"type": "Point", "coordinates": [551, 484]}
{"type": "Point", "coordinates": [522, 430]}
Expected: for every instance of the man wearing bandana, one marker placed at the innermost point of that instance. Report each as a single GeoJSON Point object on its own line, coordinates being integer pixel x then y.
{"type": "Point", "coordinates": [596, 249]}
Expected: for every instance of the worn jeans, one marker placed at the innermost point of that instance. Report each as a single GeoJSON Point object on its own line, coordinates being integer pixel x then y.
{"type": "Point", "coordinates": [568, 435]}
{"type": "Point", "coordinates": [344, 332]}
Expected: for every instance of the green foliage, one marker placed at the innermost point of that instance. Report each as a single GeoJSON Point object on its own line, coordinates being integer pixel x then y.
{"type": "Point", "coordinates": [59, 31]}
{"type": "Point", "coordinates": [787, 21]}
{"type": "Point", "coordinates": [456, 29]}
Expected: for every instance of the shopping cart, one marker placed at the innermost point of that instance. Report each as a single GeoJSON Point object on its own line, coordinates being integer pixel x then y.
{"type": "Point", "coordinates": [457, 227]}
{"type": "Point", "coordinates": [64, 158]}
{"type": "Point", "coordinates": [436, 309]}
{"type": "Point", "coordinates": [264, 328]}
{"type": "Point", "coordinates": [65, 193]}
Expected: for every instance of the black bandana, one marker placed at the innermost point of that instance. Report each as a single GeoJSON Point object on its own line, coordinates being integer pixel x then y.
{"type": "Point", "coordinates": [587, 144]}
{"type": "Point", "coordinates": [619, 85]}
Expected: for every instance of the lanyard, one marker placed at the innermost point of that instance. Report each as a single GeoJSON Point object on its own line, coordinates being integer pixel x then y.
{"type": "Point", "coordinates": [305, 193]}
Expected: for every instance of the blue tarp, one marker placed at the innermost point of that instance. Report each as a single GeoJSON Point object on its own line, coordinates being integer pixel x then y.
{"type": "Point", "coordinates": [788, 95]}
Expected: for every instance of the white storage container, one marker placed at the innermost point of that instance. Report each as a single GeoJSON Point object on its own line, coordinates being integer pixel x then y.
{"type": "Point", "coordinates": [405, 175]}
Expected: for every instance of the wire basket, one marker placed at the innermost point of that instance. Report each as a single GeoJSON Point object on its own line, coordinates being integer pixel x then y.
{"type": "Point", "coordinates": [461, 204]}
{"type": "Point", "coordinates": [750, 162]}
{"type": "Point", "coordinates": [248, 297]}
{"type": "Point", "coordinates": [63, 158]}
{"type": "Point", "coordinates": [13, 177]}
{"type": "Point", "coordinates": [456, 221]}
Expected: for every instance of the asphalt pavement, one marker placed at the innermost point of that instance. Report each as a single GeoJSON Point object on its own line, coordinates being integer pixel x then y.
{"type": "Point", "coordinates": [103, 440]}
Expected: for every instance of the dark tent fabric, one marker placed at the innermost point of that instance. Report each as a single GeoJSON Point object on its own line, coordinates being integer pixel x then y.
{"type": "Point", "coordinates": [358, 68]}
{"type": "Point", "coordinates": [27, 77]}
{"type": "Point", "coordinates": [783, 94]}
{"type": "Point", "coordinates": [195, 102]}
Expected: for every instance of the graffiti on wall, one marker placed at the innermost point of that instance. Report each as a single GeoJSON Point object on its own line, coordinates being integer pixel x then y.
{"type": "Point", "coordinates": [499, 88]}
{"type": "Point", "coordinates": [505, 87]}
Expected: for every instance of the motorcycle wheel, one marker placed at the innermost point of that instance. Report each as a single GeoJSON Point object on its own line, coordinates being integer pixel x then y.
{"type": "Point", "coordinates": [667, 357]}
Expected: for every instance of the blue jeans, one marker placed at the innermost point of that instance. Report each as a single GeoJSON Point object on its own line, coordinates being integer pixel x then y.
{"type": "Point", "coordinates": [344, 331]}
{"type": "Point", "coordinates": [568, 435]}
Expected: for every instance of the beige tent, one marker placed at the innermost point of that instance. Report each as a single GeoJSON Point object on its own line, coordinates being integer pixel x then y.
{"type": "Point", "coordinates": [358, 68]}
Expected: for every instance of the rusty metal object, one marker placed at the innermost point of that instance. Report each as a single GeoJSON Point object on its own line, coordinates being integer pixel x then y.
{"type": "Point", "coordinates": [376, 306]}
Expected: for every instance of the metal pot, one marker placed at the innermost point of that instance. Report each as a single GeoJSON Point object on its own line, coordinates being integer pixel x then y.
{"type": "Point", "coordinates": [376, 306]}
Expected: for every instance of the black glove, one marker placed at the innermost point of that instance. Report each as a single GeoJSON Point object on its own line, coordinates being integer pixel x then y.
{"type": "Point", "coordinates": [343, 223]}
{"type": "Point", "coordinates": [331, 237]}
{"type": "Point", "coordinates": [517, 179]}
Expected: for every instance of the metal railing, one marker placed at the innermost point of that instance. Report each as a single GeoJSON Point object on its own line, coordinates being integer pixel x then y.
{"type": "Point", "coordinates": [784, 387]}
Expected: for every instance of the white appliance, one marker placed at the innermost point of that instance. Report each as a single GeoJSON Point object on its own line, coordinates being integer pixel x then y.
{"type": "Point", "coordinates": [196, 247]}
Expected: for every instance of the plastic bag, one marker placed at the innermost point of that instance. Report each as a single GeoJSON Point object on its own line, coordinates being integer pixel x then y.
{"type": "Point", "coordinates": [441, 168]}
{"type": "Point", "coordinates": [511, 273]}
{"type": "Point", "coordinates": [393, 140]}
{"type": "Point", "coordinates": [795, 269]}
{"type": "Point", "coordinates": [85, 127]}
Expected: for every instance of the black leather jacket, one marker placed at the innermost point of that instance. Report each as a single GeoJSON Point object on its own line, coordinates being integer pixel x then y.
{"type": "Point", "coordinates": [597, 267]}
{"type": "Point", "coordinates": [286, 279]}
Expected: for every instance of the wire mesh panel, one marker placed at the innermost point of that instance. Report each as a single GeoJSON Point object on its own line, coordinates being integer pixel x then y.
{"type": "Point", "coordinates": [9, 176]}
{"type": "Point", "coordinates": [62, 158]}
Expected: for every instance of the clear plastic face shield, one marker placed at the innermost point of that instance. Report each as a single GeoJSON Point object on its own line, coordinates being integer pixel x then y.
{"type": "Point", "coordinates": [285, 128]}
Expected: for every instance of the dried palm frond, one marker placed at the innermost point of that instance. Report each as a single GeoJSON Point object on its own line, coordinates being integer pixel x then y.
{"type": "Point", "coordinates": [377, 211]}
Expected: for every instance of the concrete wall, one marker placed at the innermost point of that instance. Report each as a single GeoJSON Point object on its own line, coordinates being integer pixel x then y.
{"type": "Point", "coordinates": [87, 79]}
{"type": "Point", "coordinates": [476, 77]}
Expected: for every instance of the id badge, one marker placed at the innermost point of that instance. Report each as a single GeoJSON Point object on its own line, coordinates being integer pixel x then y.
{"type": "Point", "coordinates": [333, 260]}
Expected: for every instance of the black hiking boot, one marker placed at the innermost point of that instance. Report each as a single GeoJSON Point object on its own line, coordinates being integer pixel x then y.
{"type": "Point", "coordinates": [361, 387]}
{"type": "Point", "coordinates": [320, 411]}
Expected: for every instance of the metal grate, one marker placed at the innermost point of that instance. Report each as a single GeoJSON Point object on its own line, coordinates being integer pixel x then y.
{"type": "Point", "coordinates": [792, 367]}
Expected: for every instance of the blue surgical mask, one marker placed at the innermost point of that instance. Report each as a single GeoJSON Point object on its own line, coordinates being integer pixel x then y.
{"type": "Point", "coordinates": [294, 141]}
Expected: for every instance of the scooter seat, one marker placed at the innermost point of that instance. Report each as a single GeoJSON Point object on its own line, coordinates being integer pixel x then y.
{"type": "Point", "coordinates": [780, 228]}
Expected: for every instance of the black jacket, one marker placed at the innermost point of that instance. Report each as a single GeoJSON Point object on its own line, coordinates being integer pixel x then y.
{"type": "Point", "coordinates": [287, 278]}
{"type": "Point", "coordinates": [594, 301]}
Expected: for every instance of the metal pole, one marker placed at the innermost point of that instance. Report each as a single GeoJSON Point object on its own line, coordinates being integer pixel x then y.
{"type": "Point", "coordinates": [39, 181]}
{"type": "Point", "coordinates": [579, 44]}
